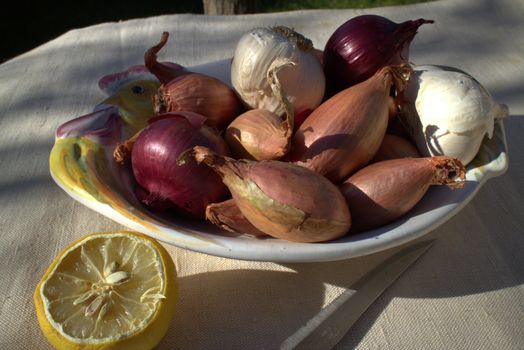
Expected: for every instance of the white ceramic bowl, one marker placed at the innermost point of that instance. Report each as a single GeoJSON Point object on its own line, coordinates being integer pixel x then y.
{"type": "Point", "coordinates": [81, 164]}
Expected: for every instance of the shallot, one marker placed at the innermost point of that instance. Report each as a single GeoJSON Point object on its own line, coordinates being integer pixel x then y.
{"type": "Point", "coordinates": [260, 134]}
{"type": "Point", "coordinates": [280, 199]}
{"type": "Point", "coordinates": [193, 92]}
{"type": "Point", "coordinates": [163, 71]}
{"type": "Point", "coordinates": [344, 133]}
{"type": "Point", "coordinates": [384, 191]}
{"type": "Point", "coordinates": [395, 147]}
{"type": "Point", "coordinates": [201, 94]}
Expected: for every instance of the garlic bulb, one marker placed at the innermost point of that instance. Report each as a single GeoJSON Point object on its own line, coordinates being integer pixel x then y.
{"type": "Point", "coordinates": [448, 112]}
{"type": "Point", "coordinates": [303, 82]}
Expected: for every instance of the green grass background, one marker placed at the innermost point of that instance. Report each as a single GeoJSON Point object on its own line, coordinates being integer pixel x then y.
{"type": "Point", "coordinates": [31, 23]}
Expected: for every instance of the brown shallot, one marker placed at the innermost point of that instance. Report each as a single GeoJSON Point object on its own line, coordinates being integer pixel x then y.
{"type": "Point", "coordinates": [192, 92]}
{"type": "Point", "coordinates": [280, 199]}
{"type": "Point", "coordinates": [344, 133]}
{"type": "Point", "coordinates": [384, 191]}
{"type": "Point", "coordinates": [200, 94]}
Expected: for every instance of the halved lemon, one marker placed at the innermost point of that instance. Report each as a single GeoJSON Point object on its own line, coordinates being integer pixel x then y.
{"type": "Point", "coordinates": [108, 290]}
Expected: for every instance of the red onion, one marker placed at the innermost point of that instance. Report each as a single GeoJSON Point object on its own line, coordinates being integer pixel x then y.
{"type": "Point", "coordinates": [364, 44]}
{"type": "Point", "coordinates": [164, 184]}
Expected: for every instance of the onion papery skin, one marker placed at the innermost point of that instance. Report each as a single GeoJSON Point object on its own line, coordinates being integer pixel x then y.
{"type": "Point", "coordinates": [281, 199]}
{"type": "Point", "coordinates": [163, 184]}
{"type": "Point", "coordinates": [258, 135]}
{"type": "Point", "coordinates": [395, 147]}
{"type": "Point", "coordinates": [382, 192]}
{"type": "Point", "coordinates": [364, 44]}
{"type": "Point", "coordinates": [227, 215]}
{"type": "Point", "coordinates": [344, 133]}
{"type": "Point", "coordinates": [201, 94]}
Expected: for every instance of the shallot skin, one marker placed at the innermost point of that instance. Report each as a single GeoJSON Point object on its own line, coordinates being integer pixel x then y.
{"type": "Point", "coordinates": [344, 133]}
{"type": "Point", "coordinates": [227, 215]}
{"type": "Point", "coordinates": [384, 191]}
{"type": "Point", "coordinates": [259, 135]}
{"type": "Point", "coordinates": [395, 147]}
{"type": "Point", "coordinates": [305, 210]}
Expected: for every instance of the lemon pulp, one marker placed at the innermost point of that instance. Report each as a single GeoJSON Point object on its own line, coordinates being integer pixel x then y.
{"type": "Point", "coordinates": [104, 288]}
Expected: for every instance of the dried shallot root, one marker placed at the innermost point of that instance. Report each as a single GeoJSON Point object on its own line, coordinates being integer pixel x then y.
{"type": "Point", "coordinates": [227, 216]}
{"type": "Point", "coordinates": [384, 191]}
{"type": "Point", "coordinates": [280, 199]}
{"type": "Point", "coordinates": [343, 134]}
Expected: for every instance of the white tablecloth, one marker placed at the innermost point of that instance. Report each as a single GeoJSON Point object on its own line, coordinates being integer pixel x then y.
{"type": "Point", "coordinates": [465, 293]}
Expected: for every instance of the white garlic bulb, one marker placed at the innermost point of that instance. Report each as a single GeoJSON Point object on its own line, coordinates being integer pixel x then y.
{"type": "Point", "coordinates": [303, 82]}
{"type": "Point", "coordinates": [448, 112]}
